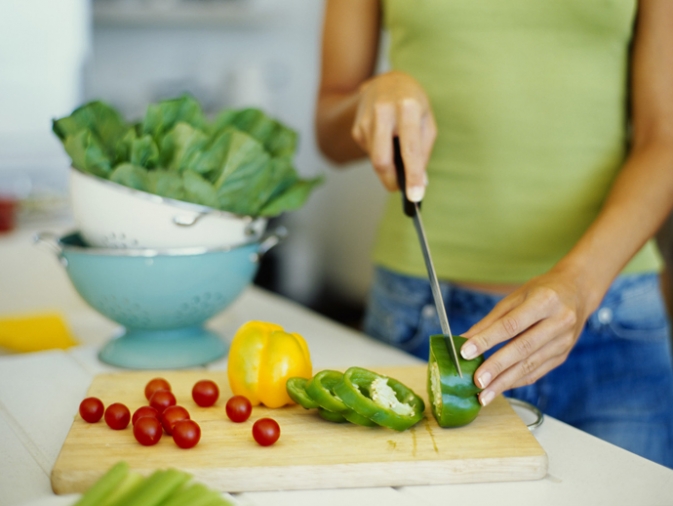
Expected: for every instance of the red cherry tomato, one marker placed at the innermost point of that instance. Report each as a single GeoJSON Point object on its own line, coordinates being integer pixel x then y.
{"type": "Point", "coordinates": [147, 430]}
{"type": "Point", "coordinates": [161, 399]}
{"type": "Point", "coordinates": [172, 415]}
{"type": "Point", "coordinates": [117, 416]}
{"type": "Point", "coordinates": [144, 411]}
{"type": "Point", "coordinates": [186, 433]}
{"type": "Point", "coordinates": [91, 409]}
{"type": "Point", "coordinates": [156, 384]}
{"type": "Point", "coordinates": [205, 393]}
{"type": "Point", "coordinates": [238, 408]}
{"type": "Point", "coordinates": [266, 431]}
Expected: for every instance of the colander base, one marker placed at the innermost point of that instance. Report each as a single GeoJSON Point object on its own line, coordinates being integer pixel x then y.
{"type": "Point", "coordinates": [163, 349]}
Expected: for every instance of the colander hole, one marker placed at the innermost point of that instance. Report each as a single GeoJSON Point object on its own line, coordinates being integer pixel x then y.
{"type": "Point", "coordinates": [197, 299]}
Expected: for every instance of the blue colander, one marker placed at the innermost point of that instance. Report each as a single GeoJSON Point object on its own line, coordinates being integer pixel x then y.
{"type": "Point", "coordinates": [161, 297]}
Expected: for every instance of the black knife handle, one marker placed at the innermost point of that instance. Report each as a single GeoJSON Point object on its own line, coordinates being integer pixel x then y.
{"type": "Point", "coordinates": [407, 205]}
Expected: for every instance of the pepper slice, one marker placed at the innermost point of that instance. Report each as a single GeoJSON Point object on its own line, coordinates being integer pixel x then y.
{"type": "Point", "coordinates": [296, 389]}
{"type": "Point", "coordinates": [453, 399]}
{"type": "Point", "coordinates": [321, 390]}
{"type": "Point", "coordinates": [379, 398]}
{"type": "Point", "coordinates": [331, 416]}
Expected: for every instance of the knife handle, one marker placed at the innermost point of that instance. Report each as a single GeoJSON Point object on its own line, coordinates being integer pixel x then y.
{"type": "Point", "coordinates": [407, 205]}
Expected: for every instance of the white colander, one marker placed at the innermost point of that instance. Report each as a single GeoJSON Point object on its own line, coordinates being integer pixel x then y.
{"type": "Point", "coordinates": [110, 215]}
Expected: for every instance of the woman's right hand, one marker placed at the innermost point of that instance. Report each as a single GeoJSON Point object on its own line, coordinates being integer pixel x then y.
{"type": "Point", "coordinates": [395, 104]}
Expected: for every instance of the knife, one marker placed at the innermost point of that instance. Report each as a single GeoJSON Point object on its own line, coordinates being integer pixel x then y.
{"type": "Point", "coordinates": [413, 210]}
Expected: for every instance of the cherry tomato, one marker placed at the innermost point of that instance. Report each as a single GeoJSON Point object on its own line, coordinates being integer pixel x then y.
{"type": "Point", "coordinates": [266, 431]}
{"type": "Point", "coordinates": [147, 430]}
{"type": "Point", "coordinates": [144, 411]}
{"type": "Point", "coordinates": [205, 393]}
{"type": "Point", "coordinates": [91, 409]}
{"type": "Point", "coordinates": [156, 384]}
{"type": "Point", "coordinates": [161, 399]}
{"type": "Point", "coordinates": [238, 408]}
{"type": "Point", "coordinates": [172, 415]}
{"type": "Point", "coordinates": [117, 416]}
{"type": "Point", "coordinates": [186, 433]}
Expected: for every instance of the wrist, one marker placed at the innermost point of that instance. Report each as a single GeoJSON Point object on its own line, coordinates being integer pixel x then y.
{"type": "Point", "coordinates": [590, 281]}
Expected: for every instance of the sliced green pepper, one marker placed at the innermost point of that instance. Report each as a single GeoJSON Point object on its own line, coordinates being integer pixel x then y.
{"type": "Point", "coordinates": [379, 398]}
{"type": "Point", "coordinates": [296, 389]}
{"type": "Point", "coordinates": [331, 416]}
{"type": "Point", "coordinates": [321, 390]}
{"type": "Point", "coordinates": [453, 399]}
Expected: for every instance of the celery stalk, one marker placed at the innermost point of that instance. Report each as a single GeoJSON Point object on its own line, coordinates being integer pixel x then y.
{"type": "Point", "coordinates": [126, 489]}
{"type": "Point", "coordinates": [100, 490]}
{"type": "Point", "coordinates": [157, 488]}
{"type": "Point", "coordinates": [194, 495]}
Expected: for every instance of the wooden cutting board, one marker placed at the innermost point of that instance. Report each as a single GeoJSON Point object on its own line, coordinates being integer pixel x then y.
{"type": "Point", "coordinates": [310, 454]}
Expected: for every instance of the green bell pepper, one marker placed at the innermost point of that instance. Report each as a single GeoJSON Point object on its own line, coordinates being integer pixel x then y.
{"type": "Point", "coordinates": [321, 390]}
{"type": "Point", "coordinates": [331, 416]}
{"type": "Point", "coordinates": [296, 389]}
{"type": "Point", "coordinates": [381, 399]}
{"type": "Point", "coordinates": [453, 399]}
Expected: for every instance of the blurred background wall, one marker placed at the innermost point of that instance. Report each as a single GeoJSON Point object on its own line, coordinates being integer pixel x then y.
{"type": "Point", "coordinates": [55, 54]}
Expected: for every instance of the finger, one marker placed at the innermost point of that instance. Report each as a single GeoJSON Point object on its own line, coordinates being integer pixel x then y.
{"type": "Point", "coordinates": [548, 366]}
{"type": "Point", "coordinates": [507, 326]}
{"type": "Point", "coordinates": [428, 136]}
{"type": "Point", "coordinates": [409, 130]}
{"type": "Point", "coordinates": [381, 149]}
{"type": "Point", "coordinates": [501, 308]}
{"type": "Point", "coordinates": [542, 334]}
{"type": "Point", "coordinates": [530, 369]}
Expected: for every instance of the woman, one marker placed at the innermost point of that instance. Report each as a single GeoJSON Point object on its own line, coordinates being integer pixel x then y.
{"type": "Point", "coordinates": [539, 136]}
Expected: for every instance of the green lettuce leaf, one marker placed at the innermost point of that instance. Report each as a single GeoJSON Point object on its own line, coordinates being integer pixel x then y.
{"type": "Point", "coordinates": [199, 190]}
{"type": "Point", "coordinates": [181, 145]}
{"type": "Point", "coordinates": [292, 198]}
{"type": "Point", "coordinates": [87, 154]}
{"type": "Point", "coordinates": [144, 152]}
{"type": "Point", "coordinates": [166, 183]}
{"type": "Point", "coordinates": [161, 117]}
{"type": "Point", "coordinates": [278, 140]}
{"type": "Point", "coordinates": [130, 175]}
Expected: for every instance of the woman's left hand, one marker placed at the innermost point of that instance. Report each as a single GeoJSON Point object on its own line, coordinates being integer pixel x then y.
{"type": "Point", "coordinates": [542, 320]}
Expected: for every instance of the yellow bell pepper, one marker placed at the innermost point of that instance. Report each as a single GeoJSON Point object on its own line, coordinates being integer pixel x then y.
{"type": "Point", "coordinates": [262, 358]}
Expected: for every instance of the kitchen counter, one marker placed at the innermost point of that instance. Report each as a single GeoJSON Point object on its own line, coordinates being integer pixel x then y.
{"type": "Point", "coordinates": [40, 394]}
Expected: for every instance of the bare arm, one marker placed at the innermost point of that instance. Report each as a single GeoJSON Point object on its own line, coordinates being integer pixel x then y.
{"type": "Point", "coordinates": [358, 114]}
{"type": "Point", "coordinates": [544, 317]}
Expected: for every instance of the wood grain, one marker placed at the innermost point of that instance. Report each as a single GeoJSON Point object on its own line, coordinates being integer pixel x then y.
{"type": "Point", "coordinates": [310, 454]}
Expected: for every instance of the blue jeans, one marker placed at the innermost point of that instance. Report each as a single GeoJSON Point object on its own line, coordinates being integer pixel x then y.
{"type": "Point", "coordinates": [617, 382]}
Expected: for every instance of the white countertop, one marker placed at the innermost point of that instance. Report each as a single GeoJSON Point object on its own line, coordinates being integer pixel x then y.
{"type": "Point", "coordinates": [40, 394]}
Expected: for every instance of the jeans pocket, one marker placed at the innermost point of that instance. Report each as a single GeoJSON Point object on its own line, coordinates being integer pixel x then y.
{"type": "Point", "coordinates": [638, 312]}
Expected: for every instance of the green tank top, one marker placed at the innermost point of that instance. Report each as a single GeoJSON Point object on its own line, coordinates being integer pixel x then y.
{"type": "Point", "coordinates": [530, 99]}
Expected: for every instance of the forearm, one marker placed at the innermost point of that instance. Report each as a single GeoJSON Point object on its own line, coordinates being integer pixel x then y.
{"type": "Point", "coordinates": [637, 205]}
{"type": "Point", "coordinates": [335, 116]}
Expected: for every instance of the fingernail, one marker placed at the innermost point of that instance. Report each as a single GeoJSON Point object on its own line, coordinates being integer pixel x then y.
{"type": "Point", "coordinates": [484, 379]}
{"type": "Point", "coordinates": [469, 351]}
{"type": "Point", "coordinates": [486, 397]}
{"type": "Point", "coordinates": [425, 178]}
{"type": "Point", "coordinates": [416, 193]}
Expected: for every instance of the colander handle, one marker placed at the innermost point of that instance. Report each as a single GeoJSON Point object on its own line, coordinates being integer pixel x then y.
{"type": "Point", "coordinates": [271, 240]}
{"type": "Point", "coordinates": [49, 240]}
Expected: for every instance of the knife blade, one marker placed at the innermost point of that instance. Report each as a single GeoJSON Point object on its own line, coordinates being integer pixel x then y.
{"type": "Point", "coordinates": [413, 210]}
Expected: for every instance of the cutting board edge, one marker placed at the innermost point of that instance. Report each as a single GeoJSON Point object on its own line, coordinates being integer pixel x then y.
{"type": "Point", "coordinates": [387, 474]}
